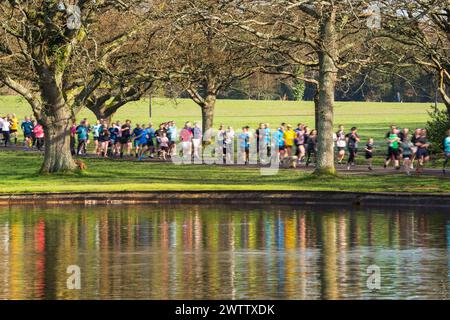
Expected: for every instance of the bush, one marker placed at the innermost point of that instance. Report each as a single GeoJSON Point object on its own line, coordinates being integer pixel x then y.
{"type": "Point", "coordinates": [437, 128]}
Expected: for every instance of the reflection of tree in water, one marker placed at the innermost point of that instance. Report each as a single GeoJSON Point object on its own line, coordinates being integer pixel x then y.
{"type": "Point", "coordinates": [190, 252]}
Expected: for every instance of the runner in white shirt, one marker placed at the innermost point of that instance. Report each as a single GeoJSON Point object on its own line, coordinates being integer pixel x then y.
{"type": "Point", "coordinates": [1, 126]}
{"type": "Point", "coordinates": [5, 130]}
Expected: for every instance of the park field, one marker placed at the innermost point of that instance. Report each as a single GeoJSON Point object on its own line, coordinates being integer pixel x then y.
{"type": "Point", "coordinates": [19, 170]}
{"type": "Point", "coordinates": [19, 174]}
{"type": "Point", "coordinates": [372, 119]}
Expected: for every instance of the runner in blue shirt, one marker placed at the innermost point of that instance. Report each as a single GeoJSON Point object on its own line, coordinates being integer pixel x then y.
{"type": "Point", "coordinates": [27, 128]}
{"type": "Point", "coordinates": [446, 151]}
{"type": "Point", "coordinates": [244, 139]}
{"type": "Point", "coordinates": [82, 133]}
{"type": "Point", "coordinates": [151, 135]}
{"type": "Point", "coordinates": [172, 134]}
{"type": "Point", "coordinates": [142, 143]}
{"type": "Point", "coordinates": [278, 139]}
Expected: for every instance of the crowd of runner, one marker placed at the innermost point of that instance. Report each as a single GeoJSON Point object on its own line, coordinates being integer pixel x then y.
{"type": "Point", "coordinates": [404, 148]}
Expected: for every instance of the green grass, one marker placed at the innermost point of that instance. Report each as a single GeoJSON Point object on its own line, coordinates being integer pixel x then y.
{"type": "Point", "coordinates": [19, 174]}
{"type": "Point", "coordinates": [373, 119]}
{"type": "Point", "coordinates": [19, 170]}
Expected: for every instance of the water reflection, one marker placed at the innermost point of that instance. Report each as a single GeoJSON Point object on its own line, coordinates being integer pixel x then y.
{"type": "Point", "coordinates": [200, 252]}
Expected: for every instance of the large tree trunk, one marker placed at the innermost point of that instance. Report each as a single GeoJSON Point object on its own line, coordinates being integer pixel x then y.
{"type": "Point", "coordinates": [55, 117]}
{"type": "Point", "coordinates": [443, 85]}
{"type": "Point", "coordinates": [102, 114]}
{"type": "Point", "coordinates": [57, 156]}
{"type": "Point", "coordinates": [316, 107]}
{"type": "Point", "coordinates": [208, 113]}
{"type": "Point", "coordinates": [327, 84]}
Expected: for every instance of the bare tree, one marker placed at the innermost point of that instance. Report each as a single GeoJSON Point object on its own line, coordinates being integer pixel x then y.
{"type": "Point", "coordinates": [326, 36]}
{"type": "Point", "coordinates": [205, 55]}
{"type": "Point", "coordinates": [64, 55]}
{"type": "Point", "coordinates": [423, 28]}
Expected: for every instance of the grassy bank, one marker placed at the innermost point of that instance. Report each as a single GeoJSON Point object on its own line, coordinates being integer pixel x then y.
{"type": "Point", "coordinates": [18, 174]}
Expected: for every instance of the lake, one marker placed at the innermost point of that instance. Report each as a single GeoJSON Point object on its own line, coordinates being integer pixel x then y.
{"type": "Point", "coordinates": [223, 252]}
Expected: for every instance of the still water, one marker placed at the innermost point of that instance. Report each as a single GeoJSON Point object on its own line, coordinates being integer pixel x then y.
{"type": "Point", "coordinates": [223, 252]}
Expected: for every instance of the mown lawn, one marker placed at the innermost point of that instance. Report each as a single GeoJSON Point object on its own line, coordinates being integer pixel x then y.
{"type": "Point", "coordinates": [18, 173]}
{"type": "Point", "coordinates": [373, 119]}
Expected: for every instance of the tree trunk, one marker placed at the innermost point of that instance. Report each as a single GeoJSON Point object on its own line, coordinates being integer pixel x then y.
{"type": "Point", "coordinates": [208, 113]}
{"type": "Point", "coordinates": [316, 107]}
{"type": "Point", "coordinates": [56, 118]}
{"type": "Point", "coordinates": [443, 91]}
{"type": "Point", "coordinates": [446, 100]}
{"type": "Point", "coordinates": [103, 114]}
{"type": "Point", "coordinates": [327, 84]}
{"type": "Point", "coordinates": [57, 156]}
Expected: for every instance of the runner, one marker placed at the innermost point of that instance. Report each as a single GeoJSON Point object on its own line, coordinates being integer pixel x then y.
{"type": "Point", "coordinates": [159, 133]}
{"type": "Point", "coordinates": [423, 154]}
{"type": "Point", "coordinates": [221, 151]}
{"type": "Point", "coordinates": [393, 141]}
{"type": "Point", "coordinates": [186, 135]}
{"type": "Point", "coordinates": [1, 125]}
{"type": "Point", "coordinates": [278, 137]}
{"type": "Point", "coordinates": [27, 128]}
{"type": "Point", "coordinates": [104, 139]}
{"type": "Point", "coordinates": [259, 134]}
{"type": "Point", "coordinates": [406, 147]}
{"type": "Point", "coordinates": [244, 139]}
{"type": "Point", "coordinates": [118, 138]}
{"type": "Point", "coordinates": [114, 142]}
{"type": "Point", "coordinates": [446, 151]}
{"type": "Point", "coordinates": [39, 134]}
{"type": "Point", "coordinates": [341, 144]}
{"type": "Point", "coordinates": [352, 140]}
{"type": "Point", "coordinates": [14, 127]}
{"type": "Point", "coordinates": [151, 140]}
{"type": "Point", "coordinates": [197, 140]}
{"type": "Point", "coordinates": [289, 137]}
{"type": "Point", "coordinates": [73, 133]}
{"type": "Point", "coordinates": [267, 139]}
{"type": "Point", "coordinates": [229, 144]}
{"type": "Point", "coordinates": [96, 131]}
{"type": "Point", "coordinates": [137, 131]}
{"type": "Point", "coordinates": [82, 134]}
{"type": "Point", "coordinates": [6, 125]}
{"type": "Point", "coordinates": [416, 135]}
{"type": "Point", "coordinates": [404, 134]}
{"type": "Point", "coordinates": [301, 142]}
{"type": "Point", "coordinates": [369, 153]}
{"type": "Point", "coordinates": [142, 142]}
{"type": "Point", "coordinates": [163, 142]}
{"type": "Point", "coordinates": [312, 147]}
{"type": "Point", "coordinates": [172, 134]}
